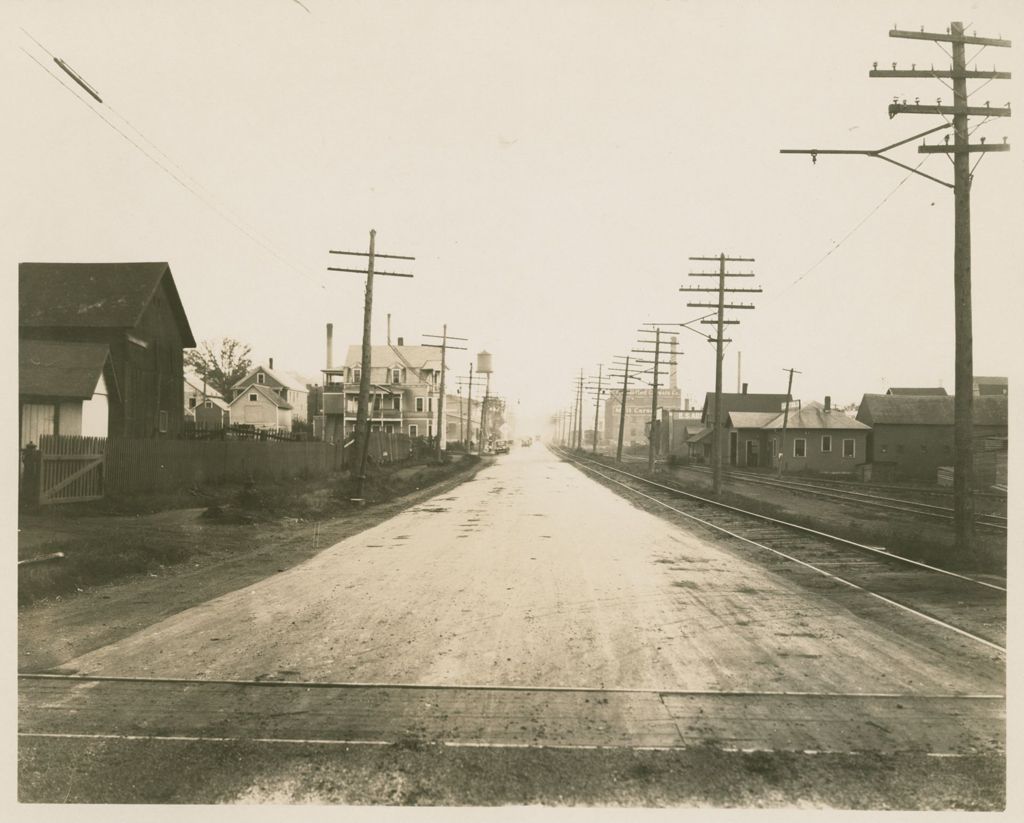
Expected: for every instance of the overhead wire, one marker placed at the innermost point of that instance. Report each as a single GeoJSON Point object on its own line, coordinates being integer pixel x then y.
{"type": "Point", "coordinates": [176, 176]}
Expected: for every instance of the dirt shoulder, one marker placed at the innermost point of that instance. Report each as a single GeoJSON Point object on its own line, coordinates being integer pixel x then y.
{"type": "Point", "coordinates": [190, 558]}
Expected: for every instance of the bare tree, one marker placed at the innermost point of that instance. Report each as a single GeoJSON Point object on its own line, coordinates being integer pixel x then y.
{"type": "Point", "coordinates": [220, 363]}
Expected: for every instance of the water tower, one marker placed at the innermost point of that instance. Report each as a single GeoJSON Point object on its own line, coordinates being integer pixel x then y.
{"type": "Point", "coordinates": [484, 366]}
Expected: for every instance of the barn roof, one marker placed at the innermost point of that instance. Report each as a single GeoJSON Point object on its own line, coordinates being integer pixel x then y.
{"type": "Point", "coordinates": [923, 410]}
{"type": "Point", "coordinates": [50, 368]}
{"type": "Point", "coordinates": [94, 295]}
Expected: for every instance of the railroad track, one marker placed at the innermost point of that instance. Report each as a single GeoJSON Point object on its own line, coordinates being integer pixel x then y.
{"type": "Point", "coordinates": [996, 522]}
{"type": "Point", "coordinates": [971, 607]}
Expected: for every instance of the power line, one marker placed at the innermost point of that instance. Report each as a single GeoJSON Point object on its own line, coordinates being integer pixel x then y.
{"type": "Point", "coordinates": [169, 171]}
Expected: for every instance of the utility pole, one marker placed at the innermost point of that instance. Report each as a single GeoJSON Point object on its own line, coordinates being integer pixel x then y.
{"type": "Point", "coordinates": [579, 413]}
{"type": "Point", "coordinates": [469, 383]}
{"type": "Point", "coordinates": [363, 413]}
{"type": "Point", "coordinates": [655, 428]}
{"type": "Point", "coordinates": [443, 346]}
{"type": "Point", "coordinates": [785, 418]}
{"type": "Point", "coordinates": [962, 148]}
{"type": "Point", "coordinates": [719, 340]}
{"type": "Point", "coordinates": [622, 407]}
{"type": "Point", "coordinates": [597, 390]}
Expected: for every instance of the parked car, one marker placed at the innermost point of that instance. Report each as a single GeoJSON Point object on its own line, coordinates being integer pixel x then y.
{"type": "Point", "coordinates": [501, 447]}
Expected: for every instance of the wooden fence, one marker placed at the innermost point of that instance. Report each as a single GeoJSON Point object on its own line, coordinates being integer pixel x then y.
{"type": "Point", "coordinates": [68, 469]}
{"type": "Point", "coordinates": [134, 466]}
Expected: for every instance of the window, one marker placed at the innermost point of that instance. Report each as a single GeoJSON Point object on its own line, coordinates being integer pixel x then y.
{"type": "Point", "coordinates": [826, 443]}
{"type": "Point", "coordinates": [430, 404]}
{"type": "Point", "coordinates": [253, 397]}
{"type": "Point", "coordinates": [419, 404]}
{"type": "Point", "coordinates": [413, 430]}
{"type": "Point", "coordinates": [357, 375]}
{"type": "Point", "coordinates": [396, 402]}
{"type": "Point", "coordinates": [163, 421]}
{"type": "Point", "coordinates": [261, 378]}
{"type": "Point", "coordinates": [430, 428]}
{"type": "Point", "coordinates": [800, 447]}
{"type": "Point", "coordinates": [191, 402]}
{"type": "Point", "coordinates": [396, 375]}
{"type": "Point", "coordinates": [849, 447]}
{"type": "Point", "coordinates": [208, 404]}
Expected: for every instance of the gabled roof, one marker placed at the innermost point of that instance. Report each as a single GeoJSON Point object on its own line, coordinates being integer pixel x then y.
{"type": "Point", "coordinates": [285, 378]}
{"type": "Point", "coordinates": [742, 403]}
{"type": "Point", "coordinates": [813, 416]}
{"type": "Point", "coordinates": [381, 357]}
{"type": "Point", "coordinates": [749, 420]}
{"type": "Point", "coordinates": [936, 391]}
{"type": "Point", "coordinates": [94, 295]}
{"type": "Point", "coordinates": [51, 368]}
{"type": "Point", "coordinates": [887, 409]}
{"type": "Point", "coordinates": [269, 394]}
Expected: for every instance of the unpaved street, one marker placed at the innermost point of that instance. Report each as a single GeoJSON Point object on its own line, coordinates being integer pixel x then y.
{"type": "Point", "coordinates": [562, 615]}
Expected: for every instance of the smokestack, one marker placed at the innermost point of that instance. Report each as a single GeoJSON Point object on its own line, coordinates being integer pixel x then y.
{"type": "Point", "coordinates": [744, 388]}
{"type": "Point", "coordinates": [271, 363]}
{"type": "Point", "coordinates": [673, 380]}
{"type": "Point", "coordinates": [401, 341]}
{"type": "Point", "coordinates": [330, 345]}
{"type": "Point", "coordinates": [389, 331]}
{"type": "Point", "coordinates": [828, 403]}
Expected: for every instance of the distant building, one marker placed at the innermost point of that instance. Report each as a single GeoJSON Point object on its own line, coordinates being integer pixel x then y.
{"type": "Point", "coordinates": [262, 407]}
{"type": "Point", "coordinates": [404, 386]}
{"type": "Point", "coordinates": [289, 387]}
{"type": "Point", "coordinates": [986, 386]}
{"type": "Point", "coordinates": [205, 407]}
{"type": "Point", "coordinates": [915, 433]}
{"type": "Point", "coordinates": [935, 391]}
{"type": "Point", "coordinates": [120, 322]}
{"type": "Point", "coordinates": [638, 413]}
{"type": "Point", "coordinates": [818, 439]}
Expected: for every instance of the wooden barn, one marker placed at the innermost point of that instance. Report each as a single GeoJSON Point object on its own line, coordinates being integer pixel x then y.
{"type": "Point", "coordinates": [133, 310]}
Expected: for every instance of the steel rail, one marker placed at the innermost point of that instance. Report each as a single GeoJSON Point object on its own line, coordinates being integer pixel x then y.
{"type": "Point", "coordinates": [878, 501]}
{"type": "Point", "coordinates": [797, 527]}
{"type": "Point", "coordinates": [804, 563]}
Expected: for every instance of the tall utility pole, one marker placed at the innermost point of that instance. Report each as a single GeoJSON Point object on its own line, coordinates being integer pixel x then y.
{"type": "Point", "coordinates": [579, 412]}
{"type": "Point", "coordinates": [443, 346]}
{"type": "Point", "coordinates": [597, 390]}
{"type": "Point", "coordinates": [719, 341]}
{"type": "Point", "coordinates": [363, 413]}
{"type": "Point", "coordinates": [785, 418]}
{"type": "Point", "coordinates": [626, 377]}
{"type": "Point", "coordinates": [962, 148]}
{"type": "Point", "coordinates": [469, 383]}
{"type": "Point", "coordinates": [655, 427]}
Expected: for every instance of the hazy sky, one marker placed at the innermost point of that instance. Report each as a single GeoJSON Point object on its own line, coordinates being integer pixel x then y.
{"type": "Point", "coordinates": [550, 165]}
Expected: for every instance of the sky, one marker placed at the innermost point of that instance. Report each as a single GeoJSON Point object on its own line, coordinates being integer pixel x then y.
{"type": "Point", "coordinates": [551, 167]}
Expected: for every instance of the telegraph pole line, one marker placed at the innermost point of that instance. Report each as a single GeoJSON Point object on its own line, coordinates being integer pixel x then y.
{"type": "Point", "coordinates": [720, 307]}
{"type": "Point", "coordinates": [579, 413]}
{"type": "Point", "coordinates": [597, 401]}
{"type": "Point", "coordinates": [622, 410]}
{"type": "Point", "coordinates": [785, 418]}
{"type": "Point", "coordinates": [443, 346]}
{"type": "Point", "coordinates": [962, 148]}
{"type": "Point", "coordinates": [363, 413]}
{"type": "Point", "coordinates": [469, 383]}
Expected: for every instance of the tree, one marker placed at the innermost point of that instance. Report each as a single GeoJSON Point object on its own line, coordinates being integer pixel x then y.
{"type": "Point", "coordinates": [221, 364]}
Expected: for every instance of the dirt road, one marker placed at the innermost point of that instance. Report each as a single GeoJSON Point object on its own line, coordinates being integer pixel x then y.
{"type": "Point", "coordinates": [532, 606]}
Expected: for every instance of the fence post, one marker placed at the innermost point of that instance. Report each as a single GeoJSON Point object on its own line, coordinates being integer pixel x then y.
{"type": "Point", "coordinates": [31, 479]}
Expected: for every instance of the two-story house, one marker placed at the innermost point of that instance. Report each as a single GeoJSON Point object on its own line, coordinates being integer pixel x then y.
{"type": "Point", "coordinates": [404, 391]}
{"type": "Point", "coordinates": [287, 386]}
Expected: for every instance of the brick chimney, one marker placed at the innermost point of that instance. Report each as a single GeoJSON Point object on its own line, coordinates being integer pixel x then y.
{"type": "Point", "coordinates": [828, 404]}
{"type": "Point", "coordinates": [330, 345]}
{"type": "Point", "coordinates": [271, 363]}
{"type": "Point", "coordinates": [401, 341]}
{"type": "Point", "coordinates": [744, 388]}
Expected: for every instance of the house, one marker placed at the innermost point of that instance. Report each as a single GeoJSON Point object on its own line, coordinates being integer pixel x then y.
{"type": "Point", "coordinates": [697, 444]}
{"type": "Point", "coordinates": [262, 407]}
{"type": "Point", "coordinates": [64, 388]}
{"type": "Point", "coordinates": [205, 407]}
{"type": "Point", "coordinates": [404, 387]}
{"type": "Point", "coordinates": [133, 311]}
{"type": "Point", "coordinates": [289, 387]}
{"type": "Point", "coordinates": [915, 433]}
{"type": "Point", "coordinates": [460, 419]}
{"type": "Point", "coordinates": [818, 439]}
